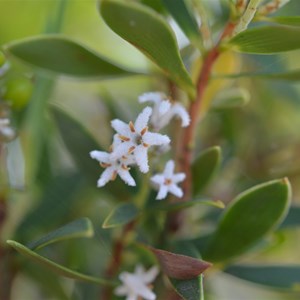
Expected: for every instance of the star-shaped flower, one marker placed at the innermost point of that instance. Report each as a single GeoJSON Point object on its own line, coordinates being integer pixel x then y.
{"type": "Point", "coordinates": [137, 284]}
{"type": "Point", "coordinates": [164, 110]}
{"type": "Point", "coordinates": [113, 167]}
{"type": "Point", "coordinates": [167, 181]}
{"type": "Point", "coordinates": [136, 139]}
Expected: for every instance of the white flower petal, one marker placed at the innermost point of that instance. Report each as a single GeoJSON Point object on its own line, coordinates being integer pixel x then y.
{"type": "Point", "coordinates": [143, 119]}
{"type": "Point", "coordinates": [126, 177]}
{"type": "Point", "coordinates": [162, 193]}
{"type": "Point", "coordinates": [169, 169]}
{"type": "Point", "coordinates": [181, 112]}
{"type": "Point", "coordinates": [164, 107]}
{"type": "Point", "coordinates": [146, 293]}
{"type": "Point", "coordinates": [101, 156]}
{"type": "Point", "coordinates": [105, 176]}
{"type": "Point", "coordinates": [158, 179]}
{"type": "Point", "coordinates": [155, 139]}
{"type": "Point", "coordinates": [178, 177]}
{"type": "Point", "coordinates": [141, 157]}
{"type": "Point", "coordinates": [154, 97]}
{"type": "Point", "coordinates": [121, 150]}
{"type": "Point", "coordinates": [120, 127]}
{"type": "Point", "coordinates": [121, 290]}
{"type": "Point", "coordinates": [4, 122]}
{"type": "Point", "coordinates": [175, 190]}
{"type": "Point", "coordinates": [150, 275]}
{"type": "Point", "coordinates": [132, 297]}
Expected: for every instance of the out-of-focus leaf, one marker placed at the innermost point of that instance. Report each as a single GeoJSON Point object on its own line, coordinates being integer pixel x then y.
{"type": "Point", "coordinates": [79, 144]}
{"type": "Point", "coordinates": [232, 98]}
{"type": "Point", "coordinates": [59, 269]}
{"type": "Point", "coordinates": [293, 75]}
{"type": "Point", "coordinates": [179, 266]}
{"type": "Point", "coordinates": [267, 40]}
{"type": "Point", "coordinates": [155, 4]}
{"type": "Point", "coordinates": [290, 20]}
{"type": "Point", "coordinates": [182, 14]}
{"type": "Point", "coordinates": [63, 56]}
{"type": "Point", "coordinates": [55, 203]}
{"type": "Point", "coordinates": [186, 204]}
{"type": "Point", "coordinates": [49, 281]}
{"type": "Point", "coordinates": [15, 164]}
{"type": "Point", "coordinates": [121, 215]}
{"type": "Point", "coordinates": [279, 276]}
{"type": "Point", "coordinates": [76, 229]}
{"type": "Point", "coordinates": [151, 34]}
{"type": "Point", "coordinates": [251, 216]}
{"type": "Point", "coordinates": [292, 219]}
{"type": "Point", "coordinates": [204, 168]}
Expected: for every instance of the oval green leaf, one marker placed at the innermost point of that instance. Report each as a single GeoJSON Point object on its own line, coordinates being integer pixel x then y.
{"type": "Point", "coordinates": [191, 289]}
{"type": "Point", "coordinates": [267, 40]}
{"type": "Point", "coordinates": [121, 215]}
{"type": "Point", "coordinates": [182, 14]}
{"type": "Point", "coordinates": [279, 276]}
{"type": "Point", "coordinates": [150, 33]}
{"type": "Point", "coordinates": [205, 167]}
{"type": "Point", "coordinates": [251, 216]}
{"type": "Point", "coordinates": [58, 269]}
{"type": "Point", "coordinates": [77, 229]}
{"type": "Point", "coordinates": [60, 55]}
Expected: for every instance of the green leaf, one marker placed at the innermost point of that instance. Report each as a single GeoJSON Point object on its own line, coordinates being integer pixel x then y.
{"type": "Point", "coordinates": [186, 204]}
{"type": "Point", "coordinates": [56, 203]}
{"type": "Point", "coordinates": [267, 40]}
{"type": "Point", "coordinates": [150, 33]}
{"type": "Point", "coordinates": [60, 55]}
{"type": "Point", "coordinates": [182, 14]}
{"type": "Point", "coordinates": [58, 269]}
{"type": "Point", "coordinates": [121, 215]}
{"type": "Point", "coordinates": [292, 75]}
{"type": "Point", "coordinates": [279, 276]}
{"type": "Point", "coordinates": [251, 216]}
{"type": "Point", "coordinates": [205, 167]}
{"type": "Point", "coordinates": [76, 229]}
{"type": "Point", "coordinates": [292, 219]}
{"type": "Point", "coordinates": [191, 289]}
{"type": "Point", "coordinates": [290, 20]}
{"type": "Point", "coordinates": [231, 98]}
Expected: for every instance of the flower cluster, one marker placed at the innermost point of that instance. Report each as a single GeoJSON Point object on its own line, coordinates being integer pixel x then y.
{"type": "Point", "coordinates": [132, 141]}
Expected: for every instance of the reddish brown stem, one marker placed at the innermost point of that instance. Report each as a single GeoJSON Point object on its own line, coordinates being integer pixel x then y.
{"type": "Point", "coordinates": [116, 259]}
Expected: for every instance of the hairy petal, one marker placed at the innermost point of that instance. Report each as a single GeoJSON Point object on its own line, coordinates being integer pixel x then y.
{"type": "Point", "coordinates": [181, 112]}
{"type": "Point", "coordinates": [120, 127]}
{"type": "Point", "coordinates": [156, 139]}
{"type": "Point", "coordinates": [126, 177]}
{"type": "Point", "coordinates": [121, 150]}
{"type": "Point", "coordinates": [158, 179]}
{"type": "Point", "coordinates": [101, 156]}
{"type": "Point", "coordinates": [164, 107]}
{"type": "Point", "coordinates": [141, 157]}
{"type": "Point", "coordinates": [169, 169]}
{"type": "Point", "coordinates": [105, 177]}
{"type": "Point", "coordinates": [143, 119]}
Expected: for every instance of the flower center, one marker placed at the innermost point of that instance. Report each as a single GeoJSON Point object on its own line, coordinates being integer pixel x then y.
{"type": "Point", "coordinates": [168, 181]}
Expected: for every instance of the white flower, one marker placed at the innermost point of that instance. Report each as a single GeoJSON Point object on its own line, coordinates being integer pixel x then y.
{"type": "Point", "coordinates": [167, 181]}
{"type": "Point", "coordinates": [113, 167]}
{"type": "Point", "coordinates": [164, 110]}
{"type": "Point", "coordinates": [5, 130]}
{"type": "Point", "coordinates": [137, 284]}
{"type": "Point", "coordinates": [136, 139]}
